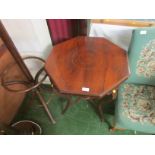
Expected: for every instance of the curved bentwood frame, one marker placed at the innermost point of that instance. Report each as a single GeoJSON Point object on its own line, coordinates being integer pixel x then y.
{"type": "Point", "coordinates": [31, 83]}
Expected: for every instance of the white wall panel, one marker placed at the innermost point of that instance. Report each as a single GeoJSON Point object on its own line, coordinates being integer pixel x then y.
{"type": "Point", "coordinates": [30, 36]}
{"type": "Point", "coordinates": [119, 35]}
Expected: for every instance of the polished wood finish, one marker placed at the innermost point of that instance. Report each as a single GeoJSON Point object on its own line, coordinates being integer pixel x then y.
{"type": "Point", "coordinates": [87, 66]}
{"type": "Point", "coordinates": [124, 22]}
{"type": "Point", "coordinates": [9, 102]}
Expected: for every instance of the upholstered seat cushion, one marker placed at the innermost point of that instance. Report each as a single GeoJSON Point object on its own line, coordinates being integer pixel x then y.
{"type": "Point", "coordinates": [135, 108]}
{"type": "Point", "coordinates": [142, 56]}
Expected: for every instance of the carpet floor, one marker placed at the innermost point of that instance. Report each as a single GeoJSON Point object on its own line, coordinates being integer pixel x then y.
{"type": "Point", "coordinates": [80, 119]}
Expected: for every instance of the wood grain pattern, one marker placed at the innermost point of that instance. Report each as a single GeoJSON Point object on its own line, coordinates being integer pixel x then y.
{"type": "Point", "coordinates": [86, 62]}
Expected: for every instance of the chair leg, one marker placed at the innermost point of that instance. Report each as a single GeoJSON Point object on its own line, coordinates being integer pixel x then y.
{"type": "Point", "coordinates": [43, 102]}
{"type": "Point", "coordinates": [112, 129]}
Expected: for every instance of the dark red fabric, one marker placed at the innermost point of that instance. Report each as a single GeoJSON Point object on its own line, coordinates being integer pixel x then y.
{"type": "Point", "coordinates": [64, 29]}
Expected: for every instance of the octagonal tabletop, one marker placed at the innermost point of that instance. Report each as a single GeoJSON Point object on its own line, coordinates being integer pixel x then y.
{"type": "Point", "coordinates": [87, 66]}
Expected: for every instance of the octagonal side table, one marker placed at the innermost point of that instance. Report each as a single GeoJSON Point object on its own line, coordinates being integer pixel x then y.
{"type": "Point", "coordinates": [88, 67]}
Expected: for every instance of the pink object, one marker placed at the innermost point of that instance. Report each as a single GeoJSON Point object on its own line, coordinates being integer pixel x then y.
{"type": "Point", "coordinates": [64, 29]}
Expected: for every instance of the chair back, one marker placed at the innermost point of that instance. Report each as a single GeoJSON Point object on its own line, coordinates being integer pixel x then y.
{"type": "Point", "coordinates": [142, 56]}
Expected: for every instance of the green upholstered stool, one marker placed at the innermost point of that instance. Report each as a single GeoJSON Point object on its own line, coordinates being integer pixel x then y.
{"type": "Point", "coordinates": [135, 108]}
{"type": "Point", "coordinates": [135, 104]}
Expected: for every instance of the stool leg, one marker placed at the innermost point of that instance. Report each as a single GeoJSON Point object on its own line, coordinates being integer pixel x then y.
{"type": "Point", "coordinates": [43, 102]}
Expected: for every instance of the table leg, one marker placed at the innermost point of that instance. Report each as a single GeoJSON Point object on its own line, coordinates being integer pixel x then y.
{"type": "Point", "coordinates": [100, 110]}
{"type": "Point", "coordinates": [98, 107]}
{"type": "Point", "coordinates": [70, 103]}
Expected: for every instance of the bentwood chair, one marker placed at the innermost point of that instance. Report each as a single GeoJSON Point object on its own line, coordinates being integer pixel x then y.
{"type": "Point", "coordinates": [135, 104]}
{"type": "Point", "coordinates": [34, 86]}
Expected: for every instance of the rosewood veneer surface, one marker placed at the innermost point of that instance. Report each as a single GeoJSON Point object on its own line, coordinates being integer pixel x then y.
{"type": "Point", "coordinates": [87, 66]}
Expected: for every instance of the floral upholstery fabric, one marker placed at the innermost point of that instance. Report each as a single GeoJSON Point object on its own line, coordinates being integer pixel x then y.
{"type": "Point", "coordinates": [135, 105]}
{"type": "Point", "coordinates": [135, 108]}
{"type": "Point", "coordinates": [142, 56]}
{"type": "Point", "coordinates": [146, 63]}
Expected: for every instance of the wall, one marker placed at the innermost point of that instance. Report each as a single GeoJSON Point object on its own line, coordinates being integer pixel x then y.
{"type": "Point", "coordinates": [119, 35]}
{"type": "Point", "coordinates": [31, 37]}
